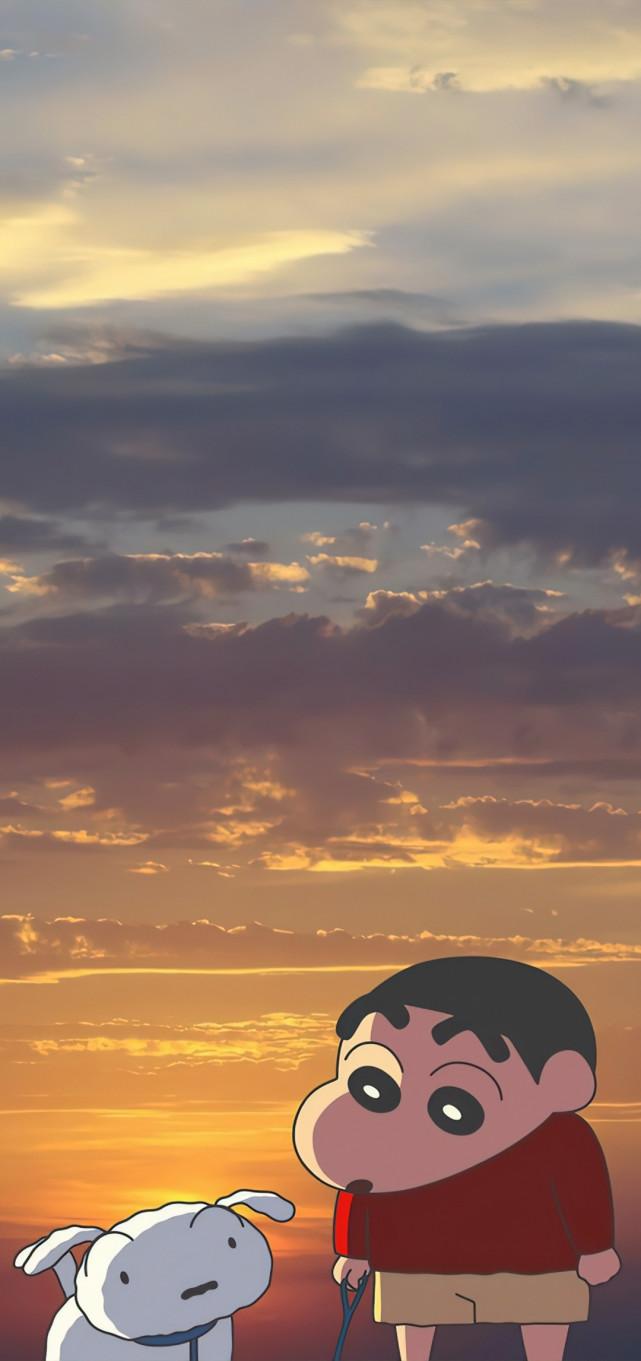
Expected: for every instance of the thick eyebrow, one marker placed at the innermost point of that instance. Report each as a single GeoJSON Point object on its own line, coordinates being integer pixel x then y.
{"type": "Point", "coordinates": [460, 1063]}
{"type": "Point", "coordinates": [378, 1046]}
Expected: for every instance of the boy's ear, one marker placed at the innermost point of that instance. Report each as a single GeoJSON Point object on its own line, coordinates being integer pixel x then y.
{"type": "Point", "coordinates": [567, 1082]}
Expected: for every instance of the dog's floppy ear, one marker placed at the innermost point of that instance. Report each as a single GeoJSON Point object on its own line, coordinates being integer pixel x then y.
{"type": "Point", "coordinates": [45, 1252]}
{"type": "Point", "coordinates": [266, 1202]}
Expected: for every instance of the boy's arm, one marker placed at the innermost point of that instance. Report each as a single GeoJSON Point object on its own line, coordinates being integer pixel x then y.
{"type": "Point", "coordinates": [584, 1198]}
{"type": "Point", "coordinates": [351, 1237]}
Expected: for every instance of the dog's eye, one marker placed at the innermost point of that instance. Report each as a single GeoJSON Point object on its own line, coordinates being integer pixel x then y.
{"type": "Point", "coordinates": [232, 1242]}
{"type": "Point", "coordinates": [374, 1089]}
{"type": "Point", "coordinates": [455, 1110]}
{"type": "Point", "coordinates": [124, 1278]}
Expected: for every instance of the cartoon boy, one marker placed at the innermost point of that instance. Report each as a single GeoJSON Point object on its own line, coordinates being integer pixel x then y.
{"type": "Point", "coordinates": [465, 1182]}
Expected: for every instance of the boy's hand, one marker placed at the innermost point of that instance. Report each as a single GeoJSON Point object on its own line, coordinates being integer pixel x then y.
{"type": "Point", "coordinates": [598, 1267]}
{"type": "Point", "coordinates": [350, 1269]}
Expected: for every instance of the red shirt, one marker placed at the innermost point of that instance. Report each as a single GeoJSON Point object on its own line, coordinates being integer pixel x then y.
{"type": "Point", "coordinates": [536, 1207]}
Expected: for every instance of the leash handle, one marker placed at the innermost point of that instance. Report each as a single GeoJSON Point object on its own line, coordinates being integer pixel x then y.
{"type": "Point", "coordinates": [349, 1309]}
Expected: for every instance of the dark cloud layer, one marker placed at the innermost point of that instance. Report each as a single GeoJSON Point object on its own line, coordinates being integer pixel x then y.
{"type": "Point", "coordinates": [530, 429]}
{"type": "Point", "coordinates": [446, 681]}
{"type": "Point", "coordinates": [242, 743]}
{"type": "Point", "coordinates": [519, 606]}
{"type": "Point", "coordinates": [152, 577]}
{"type": "Point", "coordinates": [29, 534]}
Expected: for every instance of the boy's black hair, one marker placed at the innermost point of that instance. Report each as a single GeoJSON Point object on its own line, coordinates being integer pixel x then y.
{"type": "Point", "coordinates": [490, 996]}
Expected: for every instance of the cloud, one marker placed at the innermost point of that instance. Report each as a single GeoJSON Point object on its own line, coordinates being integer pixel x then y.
{"type": "Point", "coordinates": [481, 831]}
{"type": "Point", "coordinates": [290, 574]}
{"type": "Point", "coordinates": [569, 688]}
{"type": "Point", "coordinates": [317, 537]}
{"type": "Point", "coordinates": [149, 868]}
{"type": "Point", "coordinates": [261, 748]}
{"type": "Point", "coordinates": [468, 544]}
{"type": "Point", "coordinates": [11, 805]}
{"type": "Point", "coordinates": [549, 831]}
{"type": "Point", "coordinates": [354, 542]}
{"type": "Point", "coordinates": [520, 606]}
{"type": "Point", "coordinates": [343, 566]}
{"type": "Point", "coordinates": [157, 577]}
{"type": "Point", "coordinates": [34, 945]}
{"type": "Point", "coordinates": [381, 604]}
{"type": "Point", "coordinates": [396, 304]}
{"type": "Point", "coordinates": [84, 271]}
{"type": "Point", "coordinates": [279, 1039]}
{"type": "Point", "coordinates": [494, 422]}
{"type": "Point", "coordinates": [570, 90]}
{"type": "Point", "coordinates": [26, 534]}
{"type": "Point", "coordinates": [249, 547]}
{"type": "Point", "coordinates": [78, 798]}
{"type": "Point", "coordinates": [408, 80]}
{"type": "Point", "coordinates": [490, 46]}
{"type": "Point", "coordinates": [80, 838]}
{"type": "Point", "coordinates": [423, 80]}
{"type": "Point", "coordinates": [75, 344]}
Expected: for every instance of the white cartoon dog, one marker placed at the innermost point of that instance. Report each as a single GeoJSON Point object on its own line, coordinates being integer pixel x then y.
{"type": "Point", "coordinates": [171, 1277]}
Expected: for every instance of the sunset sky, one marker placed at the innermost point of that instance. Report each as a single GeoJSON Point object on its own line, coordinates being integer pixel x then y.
{"type": "Point", "coordinates": [320, 583]}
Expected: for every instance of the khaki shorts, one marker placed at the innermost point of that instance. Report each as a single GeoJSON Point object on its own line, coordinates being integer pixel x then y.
{"type": "Point", "coordinates": [556, 1297]}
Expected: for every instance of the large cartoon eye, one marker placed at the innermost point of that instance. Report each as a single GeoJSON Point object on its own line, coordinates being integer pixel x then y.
{"type": "Point", "coordinates": [374, 1089]}
{"type": "Point", "coordinates": [456, 1111]}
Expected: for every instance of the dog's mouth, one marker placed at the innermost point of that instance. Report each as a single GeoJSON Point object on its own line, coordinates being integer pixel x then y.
{"type": "Point", "coordinates": [360, 1187]}
{"type": "Point", "coordinates": [198, 1289]}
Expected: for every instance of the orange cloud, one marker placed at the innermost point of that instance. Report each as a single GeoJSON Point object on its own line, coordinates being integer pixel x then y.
{"type": "Point", "coordinates": [33, 946]}
{"type": "Point", "coordinates": [343, 564]}
{"type": "Point", "coordinates": [279, 1038]}
{"type": "Point", "coordinates": [79, 798]}
{"type": "Point", "coordinates": [149, 867]}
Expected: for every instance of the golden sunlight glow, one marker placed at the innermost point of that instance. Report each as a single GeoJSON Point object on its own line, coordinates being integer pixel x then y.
{"type": "Point", "coordinates": [82, 273]}
{"type": "Point", "coordinates": [350, 563]}
{"type": "Point", "coordinates": [84, 838]}
{"type": "Point", "coordinates": [277, 572]}
{"type": "Point", "coordinates": [485, 48]}
{"type": "Point", "coordinates": [79, 798]}
{"type": "Point", "coordinates": [467, 849]}
{"type": "Point", "coordinates": [150, 867]}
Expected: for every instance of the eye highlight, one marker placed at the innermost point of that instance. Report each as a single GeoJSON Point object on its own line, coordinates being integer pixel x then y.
{"type": "Point", "coordinates": [455, 1111]}
{"type": "Point", "coordinates": [374, 1089]}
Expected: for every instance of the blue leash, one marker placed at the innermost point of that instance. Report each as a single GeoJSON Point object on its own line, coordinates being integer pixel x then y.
{"type": "Point", "coordinates": [174, 1339]}
{"type": "Point", "coordinates": [348, 1312]}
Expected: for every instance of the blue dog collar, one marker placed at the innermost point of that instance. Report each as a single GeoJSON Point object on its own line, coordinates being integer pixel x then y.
{"type": "Point", "coordinates": [174, 1339]}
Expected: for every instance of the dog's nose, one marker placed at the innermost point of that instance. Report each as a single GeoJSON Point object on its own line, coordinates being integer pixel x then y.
{"type": "Point", "coordinates": [198, 1289]}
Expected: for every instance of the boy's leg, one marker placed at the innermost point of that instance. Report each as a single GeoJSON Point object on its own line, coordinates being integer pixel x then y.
{"type": "Point", "coordinates": [414, 1343]}
{"type": "Point", "coordinates": [544, 1341]}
